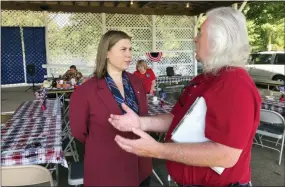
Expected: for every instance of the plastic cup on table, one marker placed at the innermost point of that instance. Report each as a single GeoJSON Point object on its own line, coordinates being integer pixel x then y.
{"type": "Point", "coordinates": [58, 85]}
{"type": "Point", "coordinates": [73, 82]}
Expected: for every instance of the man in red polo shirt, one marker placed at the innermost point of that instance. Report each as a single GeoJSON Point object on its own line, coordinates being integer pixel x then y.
{"type": "Point", "coordinates": [233, 111]}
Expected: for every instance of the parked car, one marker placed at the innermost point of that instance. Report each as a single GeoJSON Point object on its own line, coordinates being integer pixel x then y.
{"type": "Point", "coordinates": [267, 65]}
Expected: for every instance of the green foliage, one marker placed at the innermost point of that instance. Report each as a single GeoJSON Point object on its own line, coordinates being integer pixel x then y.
{"type": "Point", "coordinates": [24, 18]}
{"type": "Point", "coordinates": [265, 23]}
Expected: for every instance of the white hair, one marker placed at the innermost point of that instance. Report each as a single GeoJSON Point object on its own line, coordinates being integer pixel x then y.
{"type": "Point", "coordinates": [227, 39]}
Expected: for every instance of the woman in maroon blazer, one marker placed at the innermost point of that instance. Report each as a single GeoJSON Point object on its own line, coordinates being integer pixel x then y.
{"type": "Point", "coordinates": [105, 163]}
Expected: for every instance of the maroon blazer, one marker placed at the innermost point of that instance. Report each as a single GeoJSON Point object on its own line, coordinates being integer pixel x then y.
{"type": "Point", "coordinates": [105, 163]}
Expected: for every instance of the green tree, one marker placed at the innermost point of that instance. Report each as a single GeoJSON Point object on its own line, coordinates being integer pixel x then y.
{"type": "Point", "coordinates": [265, 22]}
{"type": "Point", "coordinates": [22, 18]}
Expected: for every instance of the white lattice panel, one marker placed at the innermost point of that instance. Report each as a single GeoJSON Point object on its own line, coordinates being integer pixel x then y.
{"type": "Point", "coordinates": [174, 36]}
{"type": "Point", "coordinates": [139, 28]}
{"type": "Point", "coordinates": [177, 33]}
{"type": "Point", "coordinates": [174, 45]}
{"type": "Point", "coordinates": [174, 21]}
{"type": "Point", "coordinates": [127, 20]}
{"type": "Point", "coordinates": [73, 37]}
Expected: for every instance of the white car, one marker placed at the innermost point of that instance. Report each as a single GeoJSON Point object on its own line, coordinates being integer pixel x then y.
{"type": "Point", "coordinates": [268, 65]}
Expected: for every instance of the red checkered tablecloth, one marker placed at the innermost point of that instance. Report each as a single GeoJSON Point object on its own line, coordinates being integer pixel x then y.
{"type": "Point", "coordinates": [33, 136]}
{"type": "Point", "coordinates": [274, 105]}
{"type": "Point", "coordinates": [29, 109]}
{"type": "Point", "coordinates": [157, 108]}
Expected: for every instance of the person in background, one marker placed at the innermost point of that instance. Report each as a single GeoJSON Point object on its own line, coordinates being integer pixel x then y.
{"type": "Point", "coordinates": [105, 163]}
{"type": "Point", "coordinates": [147, 75]}
{"type": "Point", "coordinates": [72, 73]}
{"type": "Point", "coordinates": [233, 111]}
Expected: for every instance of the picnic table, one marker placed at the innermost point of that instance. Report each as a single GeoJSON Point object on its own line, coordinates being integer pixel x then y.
{"type": "Point", "coordinates": [33, 136]}
{"type": "Point", "coordinates": [157, 108]}
{"type": "Point", "coordinates": [59, 92]}
{"type": "Point", "coordinates": [268, 83]}
{"type": "Point", "coordinates": [270, 104]}
{"type": "Point", "coordinates": [172, 79]}
{"type": "Point", "coordinates": [274, 104]}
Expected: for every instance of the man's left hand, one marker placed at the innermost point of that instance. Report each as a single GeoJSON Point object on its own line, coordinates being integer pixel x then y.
{"type": "Point", "coordinates": [145, 146]}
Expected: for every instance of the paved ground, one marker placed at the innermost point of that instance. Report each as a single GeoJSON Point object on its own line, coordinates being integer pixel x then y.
{"type": "Point", "coordinates": [265, 170]}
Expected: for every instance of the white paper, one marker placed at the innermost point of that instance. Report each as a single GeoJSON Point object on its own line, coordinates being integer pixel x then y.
{"type": "Point", "coordinates": [73, 82]}
{"type": "Point", "coordinates": [191, 129]}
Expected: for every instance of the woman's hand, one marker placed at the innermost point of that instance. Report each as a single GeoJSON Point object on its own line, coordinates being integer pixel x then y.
{"type": "Point", "coordinates": [127, 121]}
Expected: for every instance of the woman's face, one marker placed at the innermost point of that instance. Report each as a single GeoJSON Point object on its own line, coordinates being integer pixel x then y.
{"type": "Point", "coordinates": [141, 69]}
{"type": "Point", "coordinates": [120, 55]}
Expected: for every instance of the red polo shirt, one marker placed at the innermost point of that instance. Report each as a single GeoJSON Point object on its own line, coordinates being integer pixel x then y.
{"type": "Point", "coordinates": [147, 78]}
{"type": "Point", "coordinates": [233, 113]}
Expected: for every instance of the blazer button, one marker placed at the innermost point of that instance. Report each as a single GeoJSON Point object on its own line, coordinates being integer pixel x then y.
{"type": "Point", "coordinates": [138, 91]}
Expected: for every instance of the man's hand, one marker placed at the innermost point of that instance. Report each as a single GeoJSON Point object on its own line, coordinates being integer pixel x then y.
{"type": "Point", "coordinates": [145, 146]}
{"type": "Point", "coordinates": [127, 121]}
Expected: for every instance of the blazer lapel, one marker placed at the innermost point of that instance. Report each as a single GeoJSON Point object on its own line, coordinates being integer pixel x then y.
{"type": "Point", "coordinates": [107, 97]}
{"type": "Point", "coordinates": [138, 89]}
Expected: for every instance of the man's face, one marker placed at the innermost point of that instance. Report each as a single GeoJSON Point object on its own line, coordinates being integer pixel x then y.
{"type": "Point", "coordinates": [201, 41]}
{"type": "Point", "coordinates": [72, 70]}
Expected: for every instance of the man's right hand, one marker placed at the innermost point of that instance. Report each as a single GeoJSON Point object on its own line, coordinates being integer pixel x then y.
{"type": "Point", "coordinates": [127, 121]}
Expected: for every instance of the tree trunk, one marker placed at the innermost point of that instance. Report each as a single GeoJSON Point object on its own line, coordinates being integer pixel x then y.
{"type": "Point", "coordinates": [269, 45]}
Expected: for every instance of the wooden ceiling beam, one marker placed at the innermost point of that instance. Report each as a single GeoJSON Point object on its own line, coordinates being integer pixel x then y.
{"type": "Point", "coordinates": [100, 9]}
{"type": "Point", "coordinates": [116, 3]}
{"type": "Point", "coordinates": [115, 7]}
{"type": "Point", "coordinates": [82, 3]}
{"type": "Point", "coordinates": [94, 3]}
{"type": "Point", "coordinates": [203, 7]}
{"type": "Point", "coordinates": [129, 4]}
{"type": "Point", "coordinates": [141, 4]}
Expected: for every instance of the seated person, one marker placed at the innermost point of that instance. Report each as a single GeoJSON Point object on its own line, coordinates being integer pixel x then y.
{"type": "Point", "coordinates": [72, 73]}
{"type": "Point", "coordinates": [147, 76]}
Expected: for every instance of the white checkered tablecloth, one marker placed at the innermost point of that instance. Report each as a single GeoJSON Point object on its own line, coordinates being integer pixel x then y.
{"type": "Point", "coordinates": [33, 136]}
{"type": "Point", "coordinates": [34, 109]}
{"type": "Point", "coordinates": [61, 89]}
{"type": "Point", "coordinates": [158, 108]}
{"type": "Point", "coordinates": [57, 90]}
{"type": "Point", "coordinates": [274, 105]}
{"type": "Point", "coordinates": [173, 79]}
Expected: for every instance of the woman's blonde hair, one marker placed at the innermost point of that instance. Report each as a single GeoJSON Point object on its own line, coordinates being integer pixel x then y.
{"type": "Point", "coordinates": [141, 63]}
{"type": "Point", "coordinates": [108, 40]}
